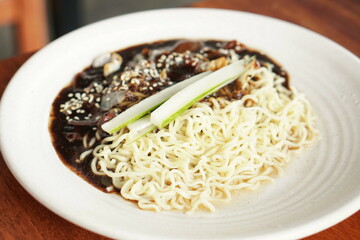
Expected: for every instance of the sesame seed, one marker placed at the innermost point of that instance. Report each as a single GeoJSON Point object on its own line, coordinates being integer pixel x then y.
{"type": "Point", "coordinates": [99, 88]}
{"type": "Point", "coordinates": [199, 56]}
{"type": "Point", "coordinates": [178, 60]}
{"type": "Point", "coordinates": [122, 77]}
{"type": "Point", "coordinates": [224, 51]}
{"type": "Point", "coordinates": [76, 118]}
{"type": "Point", "coordinates": [109, 188]}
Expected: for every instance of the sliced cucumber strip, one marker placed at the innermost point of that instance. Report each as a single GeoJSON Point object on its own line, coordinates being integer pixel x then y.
{"type": "Point", "coordinates": [140, 123]}
{"type": "Point", "coordinates": [135, 135]}
{"type": "Point", "coordinates": [147, 105]}
{"type": "Point", "coordinates": [185, 98]}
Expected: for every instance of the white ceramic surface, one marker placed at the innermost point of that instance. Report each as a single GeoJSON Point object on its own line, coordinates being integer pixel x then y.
{"type": "Point", "coordinates": [319, 189]}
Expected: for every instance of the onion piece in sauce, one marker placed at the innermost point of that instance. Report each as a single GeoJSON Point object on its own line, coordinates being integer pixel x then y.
{"type": "Point", "coordinates": [111, 99]}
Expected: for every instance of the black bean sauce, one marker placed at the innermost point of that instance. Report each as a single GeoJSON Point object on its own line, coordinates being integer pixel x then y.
{"type": "Point", "coordinates": [145, 70]}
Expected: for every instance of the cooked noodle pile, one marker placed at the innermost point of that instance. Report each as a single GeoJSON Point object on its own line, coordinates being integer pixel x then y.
{"type": "Point", "coordinates": [212, 149]}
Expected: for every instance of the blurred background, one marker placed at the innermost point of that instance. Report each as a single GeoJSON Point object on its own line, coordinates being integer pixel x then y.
{"type": "Point", "coordinates": [27, 25]}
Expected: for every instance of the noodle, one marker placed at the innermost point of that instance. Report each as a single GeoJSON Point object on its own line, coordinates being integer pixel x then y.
{"type": "Point", "coordinates": [212, 149]}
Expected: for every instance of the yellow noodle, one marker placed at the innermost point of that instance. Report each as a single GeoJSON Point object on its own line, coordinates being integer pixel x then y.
{"type": "Point", "coordinates": [212, 149]}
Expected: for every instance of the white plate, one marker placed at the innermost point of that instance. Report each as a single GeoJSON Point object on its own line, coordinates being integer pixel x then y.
{"type": "Point", "coordinates": [319, 189]}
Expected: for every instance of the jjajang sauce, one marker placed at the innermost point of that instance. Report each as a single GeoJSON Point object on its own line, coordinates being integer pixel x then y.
{"type": "Point", "coordinates": [98, 93]}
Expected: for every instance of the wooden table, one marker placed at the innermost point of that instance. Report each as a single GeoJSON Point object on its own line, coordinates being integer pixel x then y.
{"type": "Point", "coordinates": [22, 217]}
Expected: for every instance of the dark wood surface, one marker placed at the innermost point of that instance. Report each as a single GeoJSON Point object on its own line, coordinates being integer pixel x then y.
{"type": "Point", "coordinates": [22, 217]}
